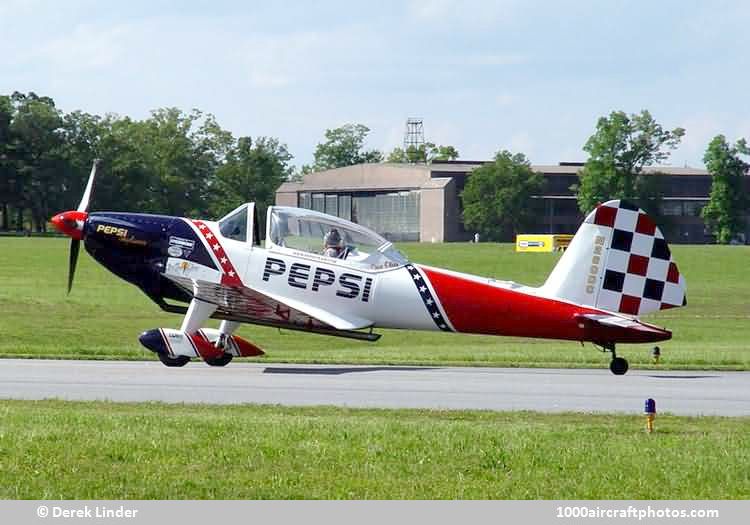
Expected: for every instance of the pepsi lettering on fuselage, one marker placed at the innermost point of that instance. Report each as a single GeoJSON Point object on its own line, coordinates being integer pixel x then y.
{"type": "Point", "coordinates": [304, 276]}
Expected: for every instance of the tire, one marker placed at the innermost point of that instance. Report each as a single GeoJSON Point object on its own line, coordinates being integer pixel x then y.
{"type": "Point", "coordinates": [219, 361]}
{"type": "Point", "coordinates": [180, 360]}
{"type": "Point", "coordinates": [618, 366]}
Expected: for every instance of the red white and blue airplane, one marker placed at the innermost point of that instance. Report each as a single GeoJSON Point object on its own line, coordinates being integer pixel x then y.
{"type": "Point", "coordinates": [325, 275]}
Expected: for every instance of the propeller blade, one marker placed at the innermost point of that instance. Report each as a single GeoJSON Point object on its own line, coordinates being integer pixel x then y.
{"type": "Point", "coordinates": [84, 204]}
{"type": "Point", "coordinates": [75, 245]}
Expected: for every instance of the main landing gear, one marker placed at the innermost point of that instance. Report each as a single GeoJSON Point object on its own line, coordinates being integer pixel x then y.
{"type": "Point", "coordinates": [219, 361]}
{"type": "Point", "coordinates": [618, 365]}
{"type": "Point", "coordinates": [180, 360]}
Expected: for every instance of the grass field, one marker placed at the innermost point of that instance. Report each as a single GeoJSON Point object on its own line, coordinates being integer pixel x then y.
{"type": "Point", "coordinates": [53, 449]}
{"type": "Point", "coordinates": [103, 315]}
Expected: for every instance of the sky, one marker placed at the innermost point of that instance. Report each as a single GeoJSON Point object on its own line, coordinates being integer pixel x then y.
{"type": "Point", "coordinates": [528, 76]}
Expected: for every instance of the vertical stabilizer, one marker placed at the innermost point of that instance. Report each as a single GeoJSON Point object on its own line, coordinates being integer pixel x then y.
{"type": "Point", "coordinates": [618, 261]}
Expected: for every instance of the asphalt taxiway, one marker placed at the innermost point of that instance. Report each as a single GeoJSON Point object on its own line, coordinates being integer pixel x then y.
{"type": "Point", "coordinates": [547, 390]}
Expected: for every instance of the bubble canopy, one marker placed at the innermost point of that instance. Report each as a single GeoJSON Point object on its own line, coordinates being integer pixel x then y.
{"type": "Point", "coordinates": [306, 231]}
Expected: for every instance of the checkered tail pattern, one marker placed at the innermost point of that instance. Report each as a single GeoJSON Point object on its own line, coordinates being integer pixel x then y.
{"type": "Point", "coordinates": [640, 275]}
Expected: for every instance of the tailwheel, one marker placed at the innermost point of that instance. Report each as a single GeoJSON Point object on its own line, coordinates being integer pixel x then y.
{"type": "Point", "coordinates": [180, 360]}
{"type": "Point", "coordinates": [219, 361]}
{"type": "Point", "coordinates": [618, 366]}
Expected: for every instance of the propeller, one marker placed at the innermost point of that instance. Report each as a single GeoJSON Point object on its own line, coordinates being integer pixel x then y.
{"type": "Point", "coordinates": [75, 246]}
{"type": "Point", "coordinates": [84, 204]}
{"type": "Point", "coordinates": [72, 223]}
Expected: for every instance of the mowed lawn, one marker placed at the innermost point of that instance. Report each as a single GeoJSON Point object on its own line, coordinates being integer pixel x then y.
{"type": "Point", "coordinates": [103, 316]}
{"type": "Point", "coordinates": [73, 450]}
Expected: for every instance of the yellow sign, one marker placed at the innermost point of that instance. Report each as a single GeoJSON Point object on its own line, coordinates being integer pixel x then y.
{"type": "Point", "coordinates": [542, 243]}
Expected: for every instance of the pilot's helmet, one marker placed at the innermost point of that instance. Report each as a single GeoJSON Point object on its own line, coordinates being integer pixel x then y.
{"type": "Point", "coordinates": [333, 239]}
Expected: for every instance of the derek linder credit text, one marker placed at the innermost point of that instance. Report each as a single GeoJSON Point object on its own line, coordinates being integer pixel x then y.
{"type": "Point", "coordinates": [97, 511]}
{"type": "Point", "coordinates": [648, 512]}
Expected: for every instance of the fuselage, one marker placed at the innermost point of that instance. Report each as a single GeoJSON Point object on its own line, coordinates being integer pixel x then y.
{"type": "Point", "coordinates": [162, 254]}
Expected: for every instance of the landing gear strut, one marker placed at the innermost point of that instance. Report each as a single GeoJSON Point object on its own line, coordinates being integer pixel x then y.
{"type": "Point", "coordinates": [618, 366]}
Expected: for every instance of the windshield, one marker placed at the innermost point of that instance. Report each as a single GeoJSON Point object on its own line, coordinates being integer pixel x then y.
{"type": "Point", "coordinates": [234, 225]}
{"type": "Point", "coordinates": [316, 233]}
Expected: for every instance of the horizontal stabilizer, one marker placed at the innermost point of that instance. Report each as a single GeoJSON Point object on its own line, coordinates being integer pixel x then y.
{"type": "Point", "coordinates": [603, 328]}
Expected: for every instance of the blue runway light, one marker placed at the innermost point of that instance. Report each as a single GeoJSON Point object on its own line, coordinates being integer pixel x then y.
{"type": "Point", "coordinates": [649, 408]}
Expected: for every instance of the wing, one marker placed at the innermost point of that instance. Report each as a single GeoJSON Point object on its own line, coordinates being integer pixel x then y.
{"type": "Point", "coordinates": [247, 305]}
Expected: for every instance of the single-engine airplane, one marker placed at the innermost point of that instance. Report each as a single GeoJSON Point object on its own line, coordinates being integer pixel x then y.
{"type": "Point", "coordinates": [325, 275]}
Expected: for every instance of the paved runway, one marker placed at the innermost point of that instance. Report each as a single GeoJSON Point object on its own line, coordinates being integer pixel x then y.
{"type": "Point", "coordinates": [549, 390]}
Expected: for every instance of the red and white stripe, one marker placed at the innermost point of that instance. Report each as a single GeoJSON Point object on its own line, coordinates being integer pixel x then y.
{"type": "Point", "coordinates": [229, 275]}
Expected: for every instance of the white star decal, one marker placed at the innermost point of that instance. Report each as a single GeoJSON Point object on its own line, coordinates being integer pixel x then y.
{"type": "Point", "coordinates": [216, 247]}
{"type": "Point", "coordinates": [209, 236]}
{"type": "Point", "coordinates": [436, 315]}
{"type": "Point", "coordinates": [231, 274]}
{"type": "Point", "coordinates": [422, 288]}
{"type": "Point", "coordinates": [202, 226]}
{"type": "Point", "coordinates": [223, 260]}
{"type": "Point", "coordinates": [443, 326]}
{"type": "Point", "coordinates": [429, 302]}
{"type": "Point", "coordinates": [417, 277]}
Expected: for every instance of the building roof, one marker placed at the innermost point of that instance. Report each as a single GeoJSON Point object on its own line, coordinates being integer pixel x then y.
{"type": "Point", "coordinates": [383, 176]}
{"type": "Point", "coordinates": [563, 168]}
{"type": "Point", "coordinates": [399, 177]}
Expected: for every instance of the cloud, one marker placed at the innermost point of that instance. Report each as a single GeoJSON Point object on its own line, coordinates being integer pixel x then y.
{"type": "Point", "coordinates": [498, 59]}
{"type": "Point", "coordinates": [86, 47]}
{"type": "Point", "coordinates": [476, 13]}
{"type": "Point", "coordinates": [505, 99]}
{"type": "Point", "coordinates": [699, 130]}
{"type": "Point", "coordinates": [521, 142]}
{"type": "Point", "coordinates": [274, 61]}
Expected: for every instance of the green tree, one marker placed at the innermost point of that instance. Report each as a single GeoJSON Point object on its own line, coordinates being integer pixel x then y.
{"type": "Point", "coordinates": [728, 201]}
{"type": "Point", "coordinates": [344, 146]}
{"type": "Point", "coordinates": [618, 151]}
{"type": "Point", "coordinates": [497, 196]}
{"type": "Point", "coordinates": [7, 198]}
{"type": "Point", "coordinates": [82, 134]}
{"type": "Point", "coordinates": [253, 171]}
{"type": "Point", "coordinates": [425, 153]}
{"type": "Point", "coordinates": [36, 158]}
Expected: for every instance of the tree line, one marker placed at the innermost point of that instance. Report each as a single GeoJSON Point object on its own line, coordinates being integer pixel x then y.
{"type": "Point", "coordinates": [186, 164]}
{"type": "Point", "coordinates": [172, 162]}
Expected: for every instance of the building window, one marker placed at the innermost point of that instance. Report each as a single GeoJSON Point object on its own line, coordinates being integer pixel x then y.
{"type": "Point", "coordinates": [305, 201]}
{"type": "Point", "coordinates": [332, 207]}
{"type": "Point", "coordinates": [318, 202]}
{"type": "Point", "coordinates": [395, 216]}
{"type": "Point", "coordinates": [693, 208]}
{"type": "Point", "coordinates": [561, 207]}
{"type": "Point", "coordinates": [689, 208]}
{"type": "Point", "coordinates": [671, 208]}
{"type": "Point", "coordinates": [345, 207]}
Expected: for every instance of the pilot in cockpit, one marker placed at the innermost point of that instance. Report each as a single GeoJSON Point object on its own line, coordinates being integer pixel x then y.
{"type": "Point", "coordinates": [333, 244]}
